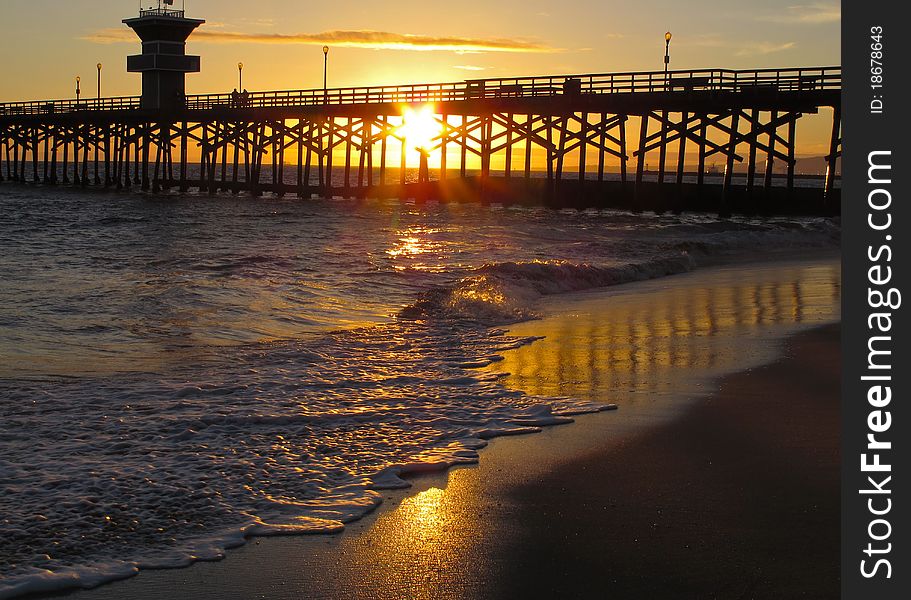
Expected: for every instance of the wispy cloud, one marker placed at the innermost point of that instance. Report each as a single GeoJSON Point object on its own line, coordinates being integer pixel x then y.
{"type": "Point", "coordinates": [763, 48]}
{"type": "Point", "coordinates": [737, 47]}
{"type": "Point", "coordinates": [806, 14]}
{"type": "Point", "coordinates": [470, 68]}
{"type": "Point", "coordinates": [711, 40]}
{"type": "Point", "coordinates": [378, 40]}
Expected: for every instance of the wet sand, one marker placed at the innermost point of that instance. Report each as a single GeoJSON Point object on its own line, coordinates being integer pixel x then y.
{"type": "Point", "coordinates": [736, 498]}
{"type": "Point", "coordinates": [717, 478]}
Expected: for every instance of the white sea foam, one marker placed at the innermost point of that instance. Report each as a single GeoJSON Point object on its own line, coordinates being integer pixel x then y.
{"type": "Point", "coordinates": [100, 478]}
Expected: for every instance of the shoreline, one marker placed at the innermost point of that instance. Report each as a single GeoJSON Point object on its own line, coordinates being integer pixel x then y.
{"type": "Point", "coordinates": [465, 518]}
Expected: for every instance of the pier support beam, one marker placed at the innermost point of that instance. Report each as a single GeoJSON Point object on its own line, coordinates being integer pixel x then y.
{"type": "Point", "coordinates": [640, 165]}
{"type": "Point", "coordinates": [725, 210]}
{"type": "Point", "coordinates": [833, 156]}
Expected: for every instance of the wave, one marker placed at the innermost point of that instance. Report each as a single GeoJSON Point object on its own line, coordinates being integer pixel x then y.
{"type": "Point", "coordinates": [503, 293]}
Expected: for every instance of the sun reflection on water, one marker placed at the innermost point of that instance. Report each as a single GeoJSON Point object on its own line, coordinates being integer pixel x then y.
{"type": "Point", "coordinates": [415, 248]}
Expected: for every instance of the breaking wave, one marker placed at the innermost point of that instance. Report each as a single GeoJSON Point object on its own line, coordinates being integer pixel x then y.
{"type": "Point", "coordinates": [506, 292]}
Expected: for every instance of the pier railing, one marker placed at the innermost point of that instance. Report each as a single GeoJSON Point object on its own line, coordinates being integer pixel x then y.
{"type": "Point", "coordinates": [715, 80]}
{"type": "Point", "coordinates": [675, 82]}
{"type": "Point", "coordinates": [50, 107]}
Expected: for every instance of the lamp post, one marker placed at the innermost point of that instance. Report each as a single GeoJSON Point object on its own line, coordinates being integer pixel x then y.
{"type": "Point", "coordinates": [78, 89]}
{"type": "Point", "coordinates": [240, 77]}
{"type": "Point", "coordinates": [98, 66]}
{"type": "Point", "coordinates": [667, 54]}
{"type": "Point", "coordinates": [325, 74]}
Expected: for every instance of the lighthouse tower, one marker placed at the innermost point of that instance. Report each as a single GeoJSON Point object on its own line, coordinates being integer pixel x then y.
{"type": "Point", "coordinates": [164, 62]}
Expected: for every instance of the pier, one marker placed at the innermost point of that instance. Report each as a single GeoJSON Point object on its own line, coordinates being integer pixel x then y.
{"type": "Point", "coordinates": [557, 140]}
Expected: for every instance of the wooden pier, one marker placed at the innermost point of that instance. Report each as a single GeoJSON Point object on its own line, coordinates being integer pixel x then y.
{"type": "Point", "coordinates": [530, 124]}
{"type": "Point", "coordinates": [561, 140]}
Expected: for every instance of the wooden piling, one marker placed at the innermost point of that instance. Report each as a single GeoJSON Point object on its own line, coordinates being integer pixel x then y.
{"type": "Point", "coordinates": [832, 158]}
{"type": "Point", "coordinates": [184, 158]}
{"type": "Point", "coordinates": [35, 177]}
{"type": "Point", "coordinates": [640, 164]}
{"type": "Point", "coordinates": [662, 150]}
{"type": "Point", "coordinates": [106, 145]}
{"type": "Point", "coordinates": [703, 133]}
{"type": "Point", "coordinates": [464, 147]}
{"type": "Point", "coordinates": [583, 145]}
{"type": "Point", "coordinates": [624, 156]}
{"type": "Point", "coordinates": [681, 150]}
{"type": "Point", "coordinates": [792, 134]}
{"type": "Point", "coordinates": [751, 161]}
{"type": "Point", "coordinates": [308, 159]}
{"type": "Point", "coordinates": [444, 139]}
{"type": "Point", "coordinates": [729, 163]}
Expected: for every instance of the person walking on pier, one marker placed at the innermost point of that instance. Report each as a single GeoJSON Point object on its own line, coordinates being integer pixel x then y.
{"type": "Point", "coordinates": [235, 99]}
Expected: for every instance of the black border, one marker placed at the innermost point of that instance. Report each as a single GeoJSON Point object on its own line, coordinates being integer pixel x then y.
{"type": "Point", "coordinates": [865, 132]}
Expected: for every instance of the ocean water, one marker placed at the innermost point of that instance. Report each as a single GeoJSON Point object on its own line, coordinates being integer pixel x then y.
{"type": "Point", "coordinates": [178, 373]}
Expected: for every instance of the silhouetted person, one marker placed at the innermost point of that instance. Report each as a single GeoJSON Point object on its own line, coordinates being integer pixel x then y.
{"type": "Point", "coordinates": [235, 99]}
{"type": "Point", "coordinates": [245, 98]}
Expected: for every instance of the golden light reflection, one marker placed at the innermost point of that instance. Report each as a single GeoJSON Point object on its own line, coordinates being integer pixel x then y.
{"type": "Point", "coordinates": [423, 514]}
{"type": "Point", "coordinates": [658, 338]}
{"type": "Point", "coordinates": [408, 246]}
{"type": "Point", "coordinates": [417, 549]}
{"type": "Point", "coordinates": [415, 249]}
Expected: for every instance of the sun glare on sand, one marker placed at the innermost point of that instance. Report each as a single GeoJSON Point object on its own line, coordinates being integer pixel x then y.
{"type": "Point", "coordinates": [420, 128]}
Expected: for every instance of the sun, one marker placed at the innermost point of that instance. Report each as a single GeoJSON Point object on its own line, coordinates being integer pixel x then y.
{"type": "Point", "coordinates": [420, 128]}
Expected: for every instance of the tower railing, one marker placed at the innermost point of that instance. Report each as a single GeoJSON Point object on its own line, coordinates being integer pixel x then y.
{"type": "Point", "coordinates": [161, 12]}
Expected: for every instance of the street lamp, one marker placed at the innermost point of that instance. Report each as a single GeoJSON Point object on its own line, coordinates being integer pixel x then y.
{"type": "Point", "coordinates": [78, 89]}
{"type": "Point", "coordinates": [667, 54]}
{"type": "Point", "coordinates": [98, 66]}
{"type": "Point", "coordinates": [240, 76]}
{"type": "Point", "coordinates": [325, 74]}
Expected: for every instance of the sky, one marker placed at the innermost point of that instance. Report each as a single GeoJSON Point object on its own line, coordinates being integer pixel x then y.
{"type": "Point", "coordinates": [377, 42]}
{"type": "Point", "coordinates": [280, 41]}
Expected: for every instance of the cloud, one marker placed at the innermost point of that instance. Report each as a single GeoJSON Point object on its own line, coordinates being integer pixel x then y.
{"type": "Point", "coordinates": [470, 68]}
{"type": "Point", "coordinates": [711, 40]}
{"type": "Point", "coordinates": [737, 47]}
{"type": "Point", "coordinates": [378, 40]}
{"type": "Point", "coordinates": [807, 14]}
{"type": "Point", "coordinates": [762, 48]}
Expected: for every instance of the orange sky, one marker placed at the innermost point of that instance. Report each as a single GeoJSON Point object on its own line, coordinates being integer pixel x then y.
{"type": "Point", "coordinates": [375, 42]}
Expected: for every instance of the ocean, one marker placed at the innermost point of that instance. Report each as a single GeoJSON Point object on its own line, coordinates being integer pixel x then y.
{"type": "Point", "coordinates": [180, 372]}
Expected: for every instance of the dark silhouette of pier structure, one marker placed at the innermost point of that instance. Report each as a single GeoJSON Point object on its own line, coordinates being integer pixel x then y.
{"type": "Point", "coordinates": [561, 140]}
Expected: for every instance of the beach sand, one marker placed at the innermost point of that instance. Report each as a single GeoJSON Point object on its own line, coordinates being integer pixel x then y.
{"type": "Point", "coordinates": [718, 477]}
